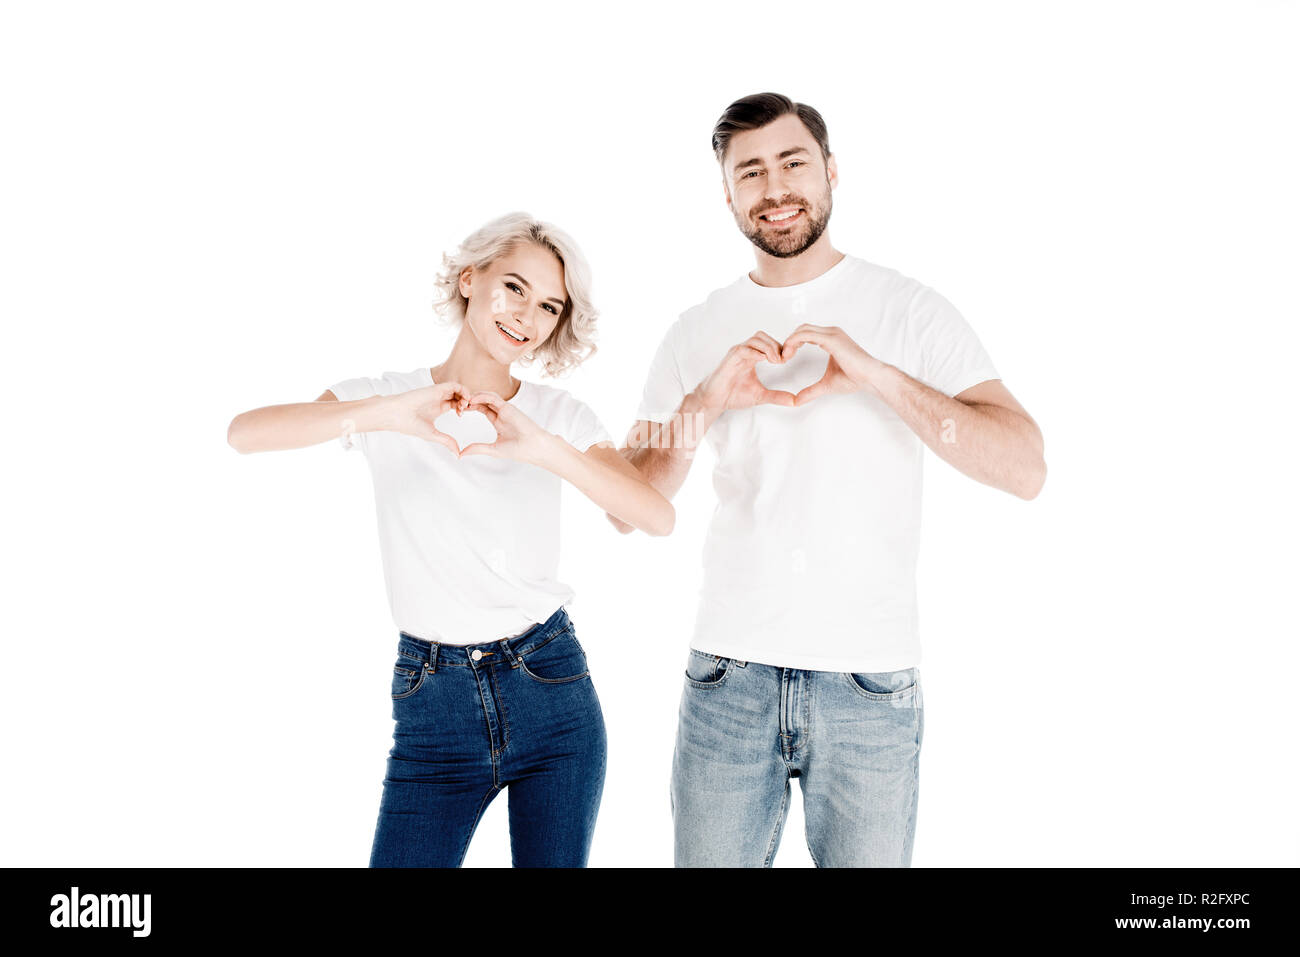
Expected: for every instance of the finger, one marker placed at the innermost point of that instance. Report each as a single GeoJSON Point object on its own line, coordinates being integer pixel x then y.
{"type": "Point", "coordinates": [450, 390]}
{"type": "Point", "coordinates": [487, 410]}
{"type": "Point", "coordinates": [479, 448]}
{"type": "Point", "coordinates": [767, 345]}
{"type": "Point", "coordinates": [443, 439]}
{"type": "Point", "coordinates": [486, 398]}
{"type": "Point", "coordinates": [774, 397]}
{"type": "Point", "coordinates": [804, 336]}
{"type": "Point", "coordinates": [749, 355]}
{"type": "Point", "coordinates": [820, 387]}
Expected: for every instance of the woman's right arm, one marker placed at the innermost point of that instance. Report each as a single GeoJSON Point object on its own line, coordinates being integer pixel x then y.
{"type": "Point", "coordinates": [297, 425]}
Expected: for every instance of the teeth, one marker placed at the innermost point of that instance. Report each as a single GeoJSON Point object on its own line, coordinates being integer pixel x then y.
{"type": "Point", "coordinates": [781, 216]}
{"type": "Point", "coordinates": [512, 335]}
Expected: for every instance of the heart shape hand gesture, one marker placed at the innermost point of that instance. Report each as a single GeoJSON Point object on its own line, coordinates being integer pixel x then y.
{"type": "Point", "coordinates": [517, 434]}
{"type": "Point", "coordinates": [849, 368]}
{"type": "Point", "coordinates": [735, 384]}
{"type": "Point", "coordinates": [415, 412]}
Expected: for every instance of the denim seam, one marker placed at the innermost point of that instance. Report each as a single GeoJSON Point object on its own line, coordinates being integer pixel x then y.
{"type": "Point", "coordinates": [501, 713]}
{"type": "Point", "coordinates": [469, 833]}
{"type": "Point", "coordinates": [418, 685]}
{"type": "Point", "coordinates": [876, 695]}
{"type": "Point", "coordinates": [519, 662]}
{"type": "Point", "coordinates": [771, 843]}
{"type": "Point", "coordinates": [550, 681]}
{"type": "Point", "coordinates": [544, 642]}
{"type": "Point", "coordinates": [487, 724]}
{"type": "Point", "coordinates": [706, 685]}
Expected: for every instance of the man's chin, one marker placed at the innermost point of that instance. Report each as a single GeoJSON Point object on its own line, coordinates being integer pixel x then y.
{"type": "Point", "coordinates": [783, 250]}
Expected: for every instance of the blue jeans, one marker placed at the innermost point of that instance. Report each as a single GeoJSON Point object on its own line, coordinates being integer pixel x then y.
{"type": "Point", "coordinates": [745, 729]}
{"type": "Point", "coordinates": [472, 720]}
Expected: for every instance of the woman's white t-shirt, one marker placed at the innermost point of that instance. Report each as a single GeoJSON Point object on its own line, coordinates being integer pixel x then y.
{"type": "Point", "coordinates": [470, 547]}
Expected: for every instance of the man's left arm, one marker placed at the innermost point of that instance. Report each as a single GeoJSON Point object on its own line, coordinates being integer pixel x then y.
{"type": "Point", "coordinates": [982, 431]}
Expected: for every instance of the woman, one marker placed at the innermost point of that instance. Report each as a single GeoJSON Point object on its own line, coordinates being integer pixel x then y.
{"type": "Point", "coordinates": [490, 688]}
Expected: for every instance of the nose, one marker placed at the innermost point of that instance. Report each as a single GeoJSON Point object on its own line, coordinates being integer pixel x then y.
{"type": "Point", "coordinates": [775, 184]}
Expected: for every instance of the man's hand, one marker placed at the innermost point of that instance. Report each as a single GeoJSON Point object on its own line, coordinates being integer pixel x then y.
{"type": "Point", "coordinates": [849, 369]}
{"type": "Point", "coordinates": [734, 383]}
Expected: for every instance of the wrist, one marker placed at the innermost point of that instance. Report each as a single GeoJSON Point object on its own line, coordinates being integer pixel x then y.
{"type": "Point", "coordinates": [375, 413]}
{"type": "Point", "coordinates": [696, 403]}
{"type": "Point", "coordinates": [544, 449]}
{"type": "Point", "coordinates": [879, 376]}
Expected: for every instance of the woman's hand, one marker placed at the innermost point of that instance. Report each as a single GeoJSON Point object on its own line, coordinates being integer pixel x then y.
{"type": "Point", "coordinates": [518, 436]}
{"type": "Point", "coordinates": [413, 412]}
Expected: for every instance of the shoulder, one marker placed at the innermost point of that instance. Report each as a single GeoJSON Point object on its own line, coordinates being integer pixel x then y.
{"type": "Point", "coordinates": [698, 325]}
{"type": "Point", "coordinates": [891, 285]}
{"type": "Point", "coordinates": [390, 383]}
{"type": "Point", "coordinates": [396, 382]}
{"type": "Point", "coordinates": [547, 394]}
{"type": "Point", "coordinates": [556, 407]}
{"type": "Point", "coordinates": [552, 397]}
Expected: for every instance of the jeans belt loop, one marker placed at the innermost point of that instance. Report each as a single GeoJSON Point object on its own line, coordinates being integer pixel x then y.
{"type": "Point", "coordinates": [433, 658]}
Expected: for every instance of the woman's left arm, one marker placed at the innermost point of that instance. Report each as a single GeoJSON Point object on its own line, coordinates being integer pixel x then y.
{"type": "Point", "coordinates": [611, 481]}
{"type": "Point", "coordinates": [600, 473]}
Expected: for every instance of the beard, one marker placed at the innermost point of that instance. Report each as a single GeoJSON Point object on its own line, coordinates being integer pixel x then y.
{"type": "Point", "coordinates": [794, 241]}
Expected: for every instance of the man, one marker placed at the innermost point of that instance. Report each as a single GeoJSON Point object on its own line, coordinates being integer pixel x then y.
{"type": "Point", "coordinates": [816, 377]}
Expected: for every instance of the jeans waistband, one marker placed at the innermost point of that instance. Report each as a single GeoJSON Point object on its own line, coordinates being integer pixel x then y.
{"type": "Point", "coordinates": [437, 654]}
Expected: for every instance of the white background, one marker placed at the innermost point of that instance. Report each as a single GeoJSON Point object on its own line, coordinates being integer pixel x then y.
{"type": "Point", "coordinates": [213, 207]}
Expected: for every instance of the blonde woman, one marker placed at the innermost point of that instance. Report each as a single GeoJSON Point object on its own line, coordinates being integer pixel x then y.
{"type": "Point", "coordinates": [490, 687]}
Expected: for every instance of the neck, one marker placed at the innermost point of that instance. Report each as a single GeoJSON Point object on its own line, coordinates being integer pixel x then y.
{"type": "Point", "coordinates": [809, 264]}
{"type": "Point", "coordinates": [473, 368]}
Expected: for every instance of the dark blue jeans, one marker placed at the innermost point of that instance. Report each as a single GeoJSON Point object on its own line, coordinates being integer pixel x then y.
{"type": "Point", "coordinates": [473, 720]}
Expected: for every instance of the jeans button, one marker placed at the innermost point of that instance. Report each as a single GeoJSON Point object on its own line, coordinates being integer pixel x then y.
{"type": "Point", "coordinates": [476, 654]}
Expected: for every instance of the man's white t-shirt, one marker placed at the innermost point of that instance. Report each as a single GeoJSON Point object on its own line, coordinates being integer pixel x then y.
{"type": "Point", "coordinates": [470, 547]}
{"type": "Point", "coordinates": [810, 558]}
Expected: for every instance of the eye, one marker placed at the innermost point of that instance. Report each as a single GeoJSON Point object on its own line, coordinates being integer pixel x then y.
{"type": "Point", "coordinates": [752, 172]}
{"type": "Point", "coordinates": [796, 162]}
{"type": "Point", "coordinates": [514, 287]}
{"type": "Point", "coordinates": [551, 307]}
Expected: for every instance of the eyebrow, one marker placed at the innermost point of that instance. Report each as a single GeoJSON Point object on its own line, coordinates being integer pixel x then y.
{"type": "Point", "coordinates": [530, 287]}
{"type": "Point", "coordinates": [758, 162]}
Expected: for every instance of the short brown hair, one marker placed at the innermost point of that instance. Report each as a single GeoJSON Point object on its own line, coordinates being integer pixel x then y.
{"type": "Point", "coordinates": [757, 110]}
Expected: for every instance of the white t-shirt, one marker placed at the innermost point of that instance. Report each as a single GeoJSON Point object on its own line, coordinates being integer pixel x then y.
{"type": "Point", "coordinates": [470, 547]}
{"type": "Point", "coordinates": [810, 558]}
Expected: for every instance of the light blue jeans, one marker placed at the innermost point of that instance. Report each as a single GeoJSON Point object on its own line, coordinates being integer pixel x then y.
{"type": "Point", "coordinates": [745, 729]}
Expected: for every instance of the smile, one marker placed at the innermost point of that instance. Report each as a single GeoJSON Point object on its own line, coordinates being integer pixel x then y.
{"type": "Point", "coordinates": [782, 217]}
{"type": "Point", "coordinates": [513, 337]}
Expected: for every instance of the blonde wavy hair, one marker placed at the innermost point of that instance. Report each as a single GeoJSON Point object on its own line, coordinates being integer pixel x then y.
{"type": "Point", "coordinates": [573, 339]}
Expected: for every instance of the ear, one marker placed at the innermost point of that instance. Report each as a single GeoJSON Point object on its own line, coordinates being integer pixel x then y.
{"type": "Point", "coordinates": [464, 280]}
{"type": "Point", "coordinates": [832, 172]}
{"type": "Point", "coordinates": [726, 191]}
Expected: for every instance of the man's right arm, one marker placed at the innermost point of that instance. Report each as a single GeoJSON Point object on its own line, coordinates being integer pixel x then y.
{"type": "Point", "coordinates": [663, 451]}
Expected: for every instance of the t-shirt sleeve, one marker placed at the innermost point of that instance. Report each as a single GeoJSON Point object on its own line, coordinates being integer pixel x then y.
{"type": "Point", "coordinates": [664, 390]}
{"type": "Point", "coordinates": [584, 428]}
{"type": "Point", "coordinates": [952, 359]}
{"type": "Point", "coordinates": [347, 391]}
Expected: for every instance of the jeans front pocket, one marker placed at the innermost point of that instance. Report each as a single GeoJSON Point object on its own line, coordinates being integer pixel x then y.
{"type": "Point", "coordinates": [885, 685]}
{"type": "Point", "coordinates": [558, 661]}
{"type": "Point", "coordinates": [707, 671]}
{"type": "Point", "coordinates": [408, 675]}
